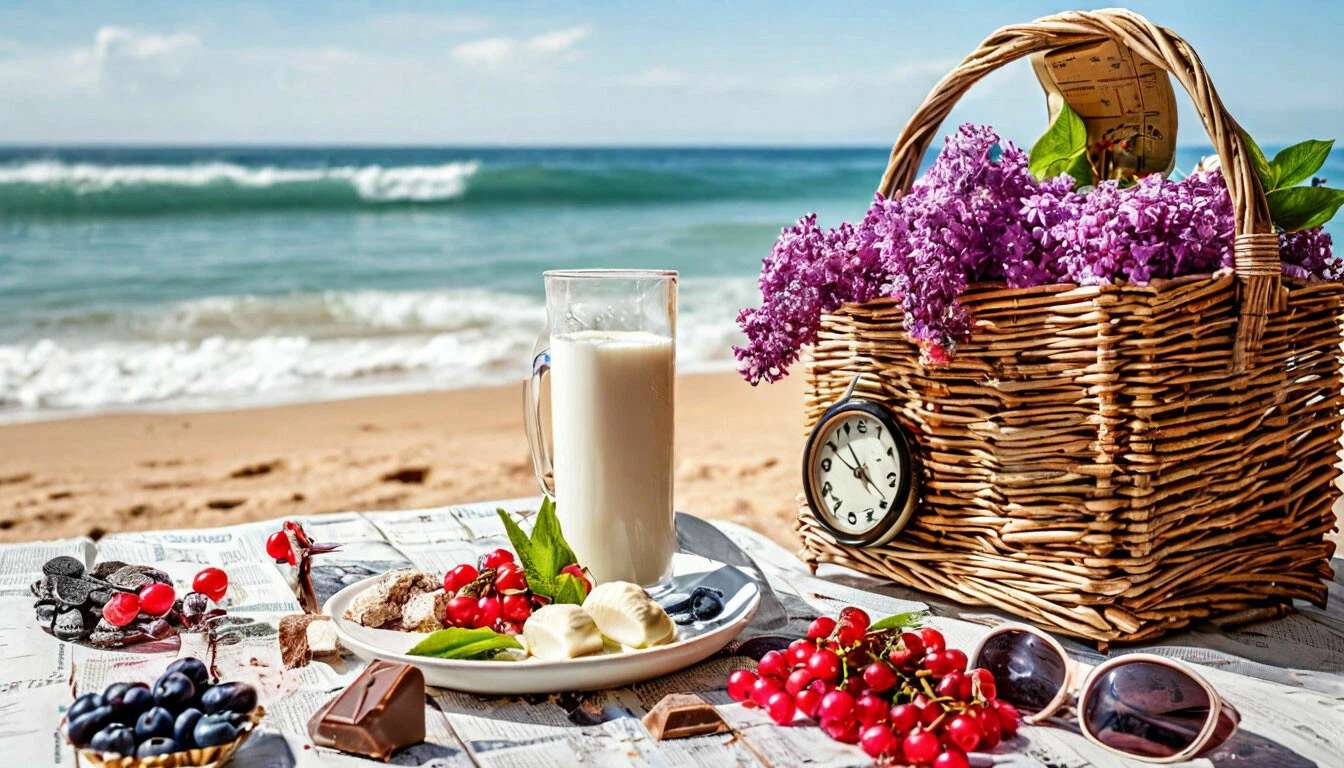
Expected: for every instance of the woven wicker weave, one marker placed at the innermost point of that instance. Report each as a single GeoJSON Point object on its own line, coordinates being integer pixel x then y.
{"type": "Point", "coordinates": [1115, 461]}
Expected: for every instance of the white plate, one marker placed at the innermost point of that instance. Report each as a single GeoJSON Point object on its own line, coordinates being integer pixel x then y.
{"type": "Point", "coordinates": [695, 642]}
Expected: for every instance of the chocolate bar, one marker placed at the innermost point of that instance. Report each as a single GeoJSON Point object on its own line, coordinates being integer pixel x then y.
{"type": "Point", "coordinates": [382, 711]}
{"type": "Point", "coordinates": [680, 715]}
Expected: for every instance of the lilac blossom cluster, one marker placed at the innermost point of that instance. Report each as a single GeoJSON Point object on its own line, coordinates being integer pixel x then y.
{"type": "Point", "coordinates": [978, 214]}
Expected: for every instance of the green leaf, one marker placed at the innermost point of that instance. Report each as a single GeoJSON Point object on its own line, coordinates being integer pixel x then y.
{"type": "Point", "coordinates": [1262, 167]}
{"type": "Point", "coordinates": [545, 553]}
{"type": "Point", "coordinates": [1304, 207]}
{"type": "Point", "coordinates": [907, 620]}
{"type": "Point", "coordinates": [569, 589]}
{"type": "Point", "coordinates": [458, 643]}
{"type": "Point", "coordinates": [1297, 163]}
{"type": "Point", "coordinates": [1062, 149]}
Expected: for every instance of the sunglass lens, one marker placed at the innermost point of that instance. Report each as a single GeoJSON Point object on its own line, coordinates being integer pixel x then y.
{"type": "Point", "coordinates": [1028, 671]}
{"type": "Point", "coordinates": [1146, 709]}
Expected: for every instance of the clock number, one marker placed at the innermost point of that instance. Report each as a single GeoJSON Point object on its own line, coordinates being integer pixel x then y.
{"type": "Point", "coordinates": [853, 518]}
{"type": "Point", "coordinates": [836, 501]}
{"type": "Point", "coordinates": [826, 466]}
{"type": "Point", "coordinates": [862, 427]}
{"type": "Point", "coordinates": [870, 512]}
{"type": "Point", "coordinates": [879, 431]}
{"type": "Point", "coordinates": [846, 428]}
{"type": "Point", "coordinates": [891, 479]}
{"type": "Point", "coordinates": [826, 488]}
{"type": "Point", "coordinates": [834, 448]}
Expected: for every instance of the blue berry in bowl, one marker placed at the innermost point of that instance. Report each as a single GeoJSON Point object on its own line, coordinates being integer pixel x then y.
{"type": "Point", "coordinates": [86, 703]}
{"type": "Point", "coordinates": [193, 668]}
{"type": "Point", "coordinates": [214, 729]}
{"type": "Point", "coordinates": [116, 739]}
{"type": "Point", "coordinates": [159, 745]}
{"type": "Point", "coordinates": [229, 697]}
{"type": "Point", "coordinates": [174, 691]}
{"type": "Point", "coordinates": [184, 725]}
{"type": "Point", "coordinates": [156, 721]}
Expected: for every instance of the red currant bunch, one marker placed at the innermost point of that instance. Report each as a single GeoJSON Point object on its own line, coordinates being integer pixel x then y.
{"type": "Point", "coordinates": [502, 602]}
{"type": "Point", "coordinates": [899, 695]}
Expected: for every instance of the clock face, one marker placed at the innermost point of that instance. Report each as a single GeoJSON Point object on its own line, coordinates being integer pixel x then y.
{"type": "Point", "coordinates": [859, 473]}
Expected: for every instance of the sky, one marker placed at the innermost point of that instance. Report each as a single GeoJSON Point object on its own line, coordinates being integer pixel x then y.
{"type": "Point", "coordinates": [591, 73]}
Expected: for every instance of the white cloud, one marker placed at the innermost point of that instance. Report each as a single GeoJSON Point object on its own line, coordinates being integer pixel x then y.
{"type": "Point", "coordinates": [654, 77]}
{"type": "Point", "coordinates": [125, 52]}
{"type": "Point", "coordinates": [495, 51]}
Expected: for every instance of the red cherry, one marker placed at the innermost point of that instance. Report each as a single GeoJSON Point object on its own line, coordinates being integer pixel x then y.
{"type": "Point", "coordinates": [990, 731]}
{"type": "Point", "coordinates": [938, 663]}
{"type": "Point", "coordinates": [780, 707]}
{"type": "Point", "coordinates": [121, 609]}
{"type": "Point", "coordinates": [913, 643]}
{"type": "Point", "coordinates": [461, 611]}
{"type": "Point", "coordinates": [855, 616]}
{"type": "Point", "coordinates": [900, 658]}
{"type": "Point", "coordinates": [487, 611]}
{"type": "Point", "coordinates": [773, 664]}
{"type": "Point", "coordinates": [929, 711]}
{"type": "Point", "coordinates": [870, 709]}
{"type": "Point", "coordinates": [763, 689]}
{"type": "Point", "coordinates": [878, 740]}
{"type": "Point", "coordinates": [824, 664]}
{"type": "Point", "coordinates": [950, 685]}
{"type": "Point", "coordinates": [495, 558]}
{"type": "Point", "coordinates": [510, 578]}
{"type": "Point", "coordinates": [211, 582]}
{"type": "Point", "coordinates": [797, 681]}
{"type": "Point", "coordinates": [920, 747]}
{"type": "Point", "coordinates": [157, 599]}
{"type": "Point", "coordinates": [278, 547]}
{"type": "Point", "coordinates": [952, 758]}
{"type": "Point", "coordinates": [573, 569]}
{"type": "Point", "coordinates": [957, 658]}
{"type": "Point", "coordinates": [879, 677]}
{"type": "Point", "coordinates": [515, 607]}
{"type": "Point", "coordinates": [798, 651]}
{"type": "Point", "coordinates": [846, 731]}
{"type": "Point", "coordinates": [821, 628]}
{"type": "Point", "coordinates": [849, 635]}
{"type": "Point", "coordinates": [808, 700]}
{"type": "Point", "coordinates": [740, 682]}
{"type": "Point", "coordinates": [459, 577]}
{"type": "Point", "coordinates": [964, 732]}
{"type": "Point", "coordinates": [903, 717]}
{"type": "Point", "coordinates": [836, 705]}
{"type": "Point", "coordinates": [855, 686]}
{"type": "Point", "coordinates": [509, 627]}
{"type": "Point", "coordinates": [984, 683]}
{"type": "Point", "coordinates": [933, 639]}
{"type": "Point", "coordinates": [1009, 718]}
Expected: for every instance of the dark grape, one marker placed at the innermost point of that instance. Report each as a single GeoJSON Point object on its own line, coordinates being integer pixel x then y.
{"type": "Point", "coordinates": [115, 738]}
{"type": "Point", "coordinates": [706, 604]}
{"type": "Point", "coordinates": [114, 691]}
{"type": "Point", "coordinates": [234, 697]}
{"type": "Point", "coordinates": [82, 728]}
{"type": "Point", "coordinates": [135, 700]}
{"type": "Point", "coordinates": [213, 730]}
{"type": "Point", "coordinates": [184, 725]}
{"type": "Point", "coordinates": [174, 690]}
{"type": "Point", "coordinates": [86, 703]}
{"type": "Point", "coordinates": [193, 668]}
{"type": "Point", "coordinates": [156, 721]}
{"type": "Point", "coordinates": [157, 746]}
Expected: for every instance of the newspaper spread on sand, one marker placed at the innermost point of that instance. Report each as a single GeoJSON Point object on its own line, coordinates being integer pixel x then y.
{"type": "Point", "coordinates": [1286, 677]}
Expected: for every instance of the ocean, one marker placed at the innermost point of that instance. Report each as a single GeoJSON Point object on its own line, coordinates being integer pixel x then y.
{"type": "Point", "coordinates": [207, 277]}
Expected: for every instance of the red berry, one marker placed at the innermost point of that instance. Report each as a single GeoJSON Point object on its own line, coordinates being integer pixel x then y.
{"type": "Point", "coordinates": [964, 732]}
{"type": "Point", "coordinates": [515, 607]}
{"type": "Point", "coordinates": [900, 658]}
{"type": "Point", "coordinates": [780, 707]}
{"type": "Point", "coordinates": [855, 616]}
{"type": "Point", "coordinates": [990, 731]}
{"type": "Point", "coordinates": [849, 635]}
{"type": "Point", "coordinates": [846, 731]}
{"type": "Point", "coordinates": [879, 677]}
{"type": "Point", "coordinates": [821, 628]}
{"type": "Point", "coordinates": [121, 609]}
{"type": "Point", "coordinates": [870, 709]}
{"type": "Point", "coordinates": [211, 582]}
{"type": "Point", "coordinates": [824, 664]}
{"type": "Point", "coordinates": [487, 611]}
{"type": "Point", "coordinates": [739, 684]}
{"type": "Point", "coordinates": [573, 569]}
{"type": "Point", "coordinates": [798, 651]}
{"type": "Point", "coordinates": [277, 546]}
{"type": "Point", "coordinates": [808, 700]}
{"type": "Point", "coordinates": [950, 685]}
{"type": "Point", "coordinates": [929, 711]}
{"type": "Point", "coordinates": [495, 558]}
{"type": "Point", "coordinates": [773, 664]}
{"type": "Point", "coordinates": [984, 683]}
{"type": "Point", "coordinates": [510, 578]}
{"type": "Point", "coordinates": [461, 611]}
{"type": "Point", "coordinates": [459, 577]}
{"type": "Point", "coordinates": [921, 747]}
{"type": "Point", "coordinates": [156, 599]}
{"type": "Point", "coordinates": [913, 643]}
{"type": "Point", "coordinates": [1008, 716]}
{"type": "Point", "coordinates": [878, 740]}
{"type": "Point", "coordinates": [933, 639]}
{"type": "Point", "coordinates": [763, 689]}
{"type": "Point", "coordinates": [797, 681]}
{"type": "Point", "coordinates": [903, 717]}
{"type": "Point", "coordinates": [952, 758]}
{"type": "Point", "coordinates": [836, 705]}
{"type": "Point", "coordinates": [855, 686]}
{"type": "Point", "coordinates": [957, 658]}
{"type": "Point", "coordinates": [938, 663]}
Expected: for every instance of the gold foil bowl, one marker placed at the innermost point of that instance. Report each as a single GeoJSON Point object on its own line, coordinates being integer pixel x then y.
{"type": "Point", "coordinates": [200, 757]}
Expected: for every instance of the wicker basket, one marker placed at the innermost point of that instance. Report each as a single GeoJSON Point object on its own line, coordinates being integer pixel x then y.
{"type": "Point", "coordinates": [1110, 462]}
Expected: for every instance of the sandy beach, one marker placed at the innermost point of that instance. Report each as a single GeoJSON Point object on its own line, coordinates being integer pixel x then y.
{"type": "Point", "coordinates": [737, 459]}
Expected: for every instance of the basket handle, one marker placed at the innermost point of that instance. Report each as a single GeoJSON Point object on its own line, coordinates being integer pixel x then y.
{"type": "Point", "coordinates": [1256, 246]}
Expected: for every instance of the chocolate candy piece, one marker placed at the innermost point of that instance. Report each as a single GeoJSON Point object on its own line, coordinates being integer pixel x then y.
{"type": "Point", "coordinates": [71, 591]}
{"type": "Point", "coordinates": [64, 565]}
{"type": "Point", "coordinates": [382, 711]}
{"type": "Point", "coordinates": [297, 636]}
{"type": "Point", "coordinates": [41, 589]}
{"type": "Point", "coordinates": [99, 597]}
{"type": "Point", "coordinates": [69, 624]}
{"type": "Point", "coordinates": [131, 578]}
{"type": "Point", "coordinates": [106, 568]}
{"type": "Point", "coordinates": [680, 715]}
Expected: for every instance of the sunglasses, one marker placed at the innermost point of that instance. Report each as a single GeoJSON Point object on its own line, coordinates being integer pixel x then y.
{"type": "Point", "coordinates": [1139, 705]}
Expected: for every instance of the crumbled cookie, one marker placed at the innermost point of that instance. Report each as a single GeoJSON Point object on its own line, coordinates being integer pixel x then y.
{"type": "Point", "coordinates": [384, 601]}
{"type": "Point", "coordinates": [424, 612]}
{"type": "Point", "coordinates": [304, 636]}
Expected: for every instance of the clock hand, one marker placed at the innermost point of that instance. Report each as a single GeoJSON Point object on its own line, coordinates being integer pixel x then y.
{"type": "Point", "coordinates": [861, 472]}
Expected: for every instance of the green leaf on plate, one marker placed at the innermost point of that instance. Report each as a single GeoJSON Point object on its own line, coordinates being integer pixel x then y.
{"type": "Point", "coordinates": [1062, 149]}
{"type": "Point", "coordinates": [1297, 163]}
{"type": "Point", "coordinates": [544, 554]}
{"type": "Point", "coordinates": [458, 643]}
{"type": "Point", "coordinates": [569, 589]}
{"type": "Point", "coordinates": [1297, 208]}
{"type": "Point", "coordinates": [907, 620]}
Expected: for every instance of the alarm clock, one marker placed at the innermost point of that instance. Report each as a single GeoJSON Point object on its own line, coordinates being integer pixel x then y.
{"type": "Point", "coordinates": [859, 473]}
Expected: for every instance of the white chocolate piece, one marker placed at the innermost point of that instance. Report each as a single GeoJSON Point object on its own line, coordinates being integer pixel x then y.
{"type": "Point", "coordinates": [322, 638]}
{"type": "Point", "coordinates": [561, 632]}
{"type": "Point", "coordinates": [625, 613]}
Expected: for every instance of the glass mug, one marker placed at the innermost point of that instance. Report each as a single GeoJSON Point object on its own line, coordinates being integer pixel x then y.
{"type": "Point", "coordinates": [609, 351]}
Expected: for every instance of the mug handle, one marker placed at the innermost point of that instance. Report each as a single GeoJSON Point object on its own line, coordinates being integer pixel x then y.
{"type": "Point", "coordinates": [536, 437]}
